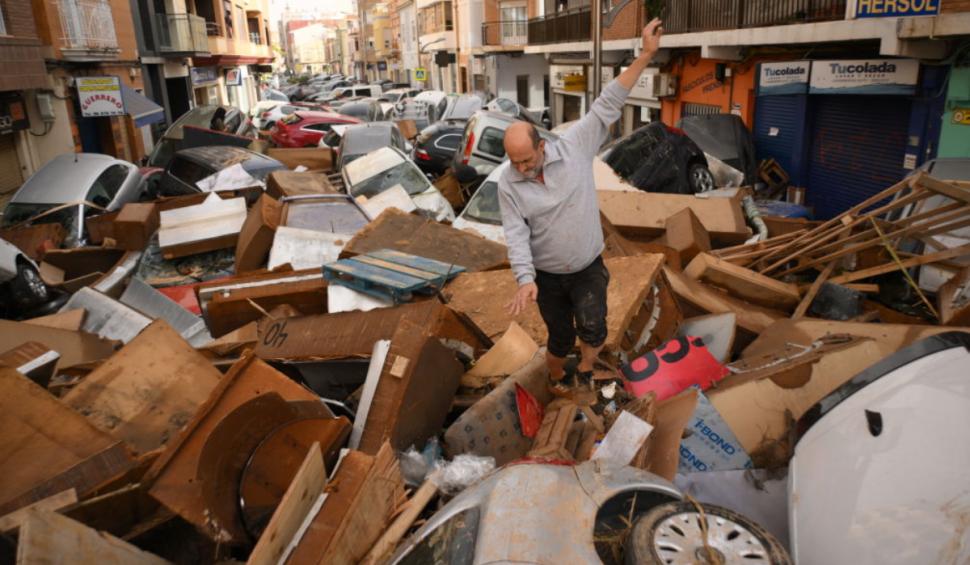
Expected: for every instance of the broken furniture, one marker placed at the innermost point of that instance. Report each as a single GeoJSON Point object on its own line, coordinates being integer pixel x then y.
{"type": "Point", "coordinates": [213, 224]}
{"type": "Point", "coordinates": [391, 275]}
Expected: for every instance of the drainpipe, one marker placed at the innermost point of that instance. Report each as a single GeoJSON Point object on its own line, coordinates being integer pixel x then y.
{"type": "Point", "coordinates": [597, 13]}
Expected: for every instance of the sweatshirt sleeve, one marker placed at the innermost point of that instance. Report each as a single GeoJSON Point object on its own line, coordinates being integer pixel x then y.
{"type": "Point", "coordinates": [517, 236]}
{"type": "Point", "coordinates": [586, 136]}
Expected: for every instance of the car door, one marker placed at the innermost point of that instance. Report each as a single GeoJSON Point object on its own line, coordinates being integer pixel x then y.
{"type": "Point", "coordinates": [312, 133]}
{"type": "Point", "coordinates": [444, 146]}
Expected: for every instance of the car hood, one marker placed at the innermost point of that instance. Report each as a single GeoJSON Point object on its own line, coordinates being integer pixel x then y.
{"type": "Point", "coordinates": [434, 202]}
{"type": "Point", "coordinates": [488, 231]}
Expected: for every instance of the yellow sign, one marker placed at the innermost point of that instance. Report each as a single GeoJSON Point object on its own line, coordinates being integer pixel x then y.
{"type": "Point", "coordinates": [420, 74]}
{"type": "Point", "coordinates": [962, 116]}
{"type": "Point", "coordinates": [574, 83]}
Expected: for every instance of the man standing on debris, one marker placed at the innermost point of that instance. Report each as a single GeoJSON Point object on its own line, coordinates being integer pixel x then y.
{"type": "Point", "coordinates": [551, 220]}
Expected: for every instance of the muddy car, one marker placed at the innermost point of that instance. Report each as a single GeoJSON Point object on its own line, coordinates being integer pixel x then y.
{"type": "Point", "coordinates": [659, 158]}
{"type": "Point", "coordinates": [388, 167]}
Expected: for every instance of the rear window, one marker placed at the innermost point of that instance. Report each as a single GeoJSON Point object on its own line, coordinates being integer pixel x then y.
{"type": "Point", "coordinates": [492, 142]}
{"type": "Point", "coordinates": [187, 171]}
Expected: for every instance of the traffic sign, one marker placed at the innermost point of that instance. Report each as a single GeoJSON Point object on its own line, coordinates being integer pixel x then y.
{"type": "Point", "coordinates": [420, 74]}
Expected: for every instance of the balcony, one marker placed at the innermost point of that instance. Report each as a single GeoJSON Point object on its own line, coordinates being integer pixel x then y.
{"type": "Point", "coordinates": [88, 30]}
{"type": "Point", "coordinates": [564, 27]}
{"type": "Point", "coordinates": [254, 38]}
{"type": "Point", "coordinates": [688, 16]}
{"type": "Point", "coordinates": [505, 33]}
{"type": "Point", "coordinates": [181, 33]}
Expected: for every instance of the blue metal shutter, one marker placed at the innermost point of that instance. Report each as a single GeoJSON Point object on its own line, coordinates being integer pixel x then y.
{"type": "Point", "coordinates": [777, 128]}
{"type": "Point", "coordinates": [858, 143]}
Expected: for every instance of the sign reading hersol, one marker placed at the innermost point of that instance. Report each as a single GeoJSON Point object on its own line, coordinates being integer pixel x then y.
{"type": "Point", "coordinates": [100, 96]}
{"type": "Point", "coordinates": [895, 8]}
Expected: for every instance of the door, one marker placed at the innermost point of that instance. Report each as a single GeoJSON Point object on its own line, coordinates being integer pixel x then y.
{"type": "Point", "coordinates": [178, 96]}
{"type": "Point", "coordinates": [857, 149]}
{"type": "Point", "coordinates": [778, 132]}
{"type": "Point", "coordinates": [11, 176]}
{"type": "Point", "coordinates": [522, 90]}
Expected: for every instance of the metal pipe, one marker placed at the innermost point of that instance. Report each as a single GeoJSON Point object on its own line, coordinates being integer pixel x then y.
{"type": "Point", "coordinates": [597, 18]}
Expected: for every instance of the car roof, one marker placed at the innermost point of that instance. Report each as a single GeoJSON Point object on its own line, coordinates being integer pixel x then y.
{"type": "Point", "coordinates": [219, 157]}
{"type": "Point", "coordinates": [322, 116]}
{"type": "Point", "coordinates": [65, 178]}
{"type": "Point", "coordinates": [361, 138]}
{"type": "Point", "coordinates": [375, 162]}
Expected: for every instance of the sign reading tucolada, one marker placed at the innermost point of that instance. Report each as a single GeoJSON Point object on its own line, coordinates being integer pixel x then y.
{"type": "Point", "coordinates": [864, 76]}
{"type": "Point", "coordinates": [790, 77]}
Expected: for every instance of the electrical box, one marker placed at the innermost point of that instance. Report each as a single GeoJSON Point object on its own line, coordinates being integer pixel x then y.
{"type": "Point", "coordinates": [45, 106]}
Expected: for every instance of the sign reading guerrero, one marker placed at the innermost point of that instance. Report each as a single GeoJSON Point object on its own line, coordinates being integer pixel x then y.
{"type": "Point", "coordinates": [100, 96]}
{"type": "Point", "coordinates": [864, 76]}
{"type": "Point", "coordinates": [784, 78]}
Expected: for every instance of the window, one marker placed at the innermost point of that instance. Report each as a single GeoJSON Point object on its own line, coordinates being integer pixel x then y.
{"type": "Point", "coordinates": [492, 142]}
{"type": "Point", "coordinates": [107, 185]}
{"type": "Point", "coordinates": [3, 22]}
{"type": "Point", "coordinates": [188, 172]}
{"type": "Point", "coordinates": [319, 127]}
{"type": "Point", "coordinates": [448, 142]}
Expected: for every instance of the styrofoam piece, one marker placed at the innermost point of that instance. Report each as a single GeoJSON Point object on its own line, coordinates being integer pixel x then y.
{"type": "Point", "coordinates": [343, 299]}
{"type": "Point", "coordinates": [381, 348]}
{"type": "Point", "coordinates": [623, 440]}
{"type": "Point", "coordinates": [717, 331]}
{"type": "Point", "coordinates": [394, 197]}
{"type": "Point", "coordinates": [305, 249]}
{"type": "Point", "coordinates": [106, 317]}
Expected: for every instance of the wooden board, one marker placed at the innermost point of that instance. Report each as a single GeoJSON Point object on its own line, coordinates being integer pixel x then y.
{"type": "Point", "coordinates": [63, 499]}
{"type": "Point", "coordinates": [353, 519]}
{"type": "Point", "coordinates": [75, 347]}
{"type": "Point", "coordinates": [410, 233]}
{"type": "Point", "coordinates": [483, 297]}
{"type": "Point", "coordinates": [41, 436]}
{"type": "Point", "coordinates": [685, 234]}
{"type": "Point", "coordinates": [70, 320]}
{"type": "Point", "coordinates": [313, 158]}
{"type": "Point", "coordinates": [146, 392]}
{"type": "Point", "coordinates": [299, 498]}
{"type": "Point", "coordinates": [645, 214]}
{"type": "Point", "coordinates": [173, 476]}
{"type": "Point", "coordinates": [751, 318]}
{"type": "Point", "coordinates": [743, 283]}
{"type": "Point", "coordinates": [47, 537]}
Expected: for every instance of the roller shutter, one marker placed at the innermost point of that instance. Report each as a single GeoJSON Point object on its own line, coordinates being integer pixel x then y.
{"type": "Point", "coordinates": [777, 129]}
{"type": "Point", "coordinates": [858, 143]}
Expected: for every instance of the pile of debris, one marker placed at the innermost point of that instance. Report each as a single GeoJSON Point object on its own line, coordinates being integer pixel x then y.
{"type": "Point", "coordinates": [287, 374]}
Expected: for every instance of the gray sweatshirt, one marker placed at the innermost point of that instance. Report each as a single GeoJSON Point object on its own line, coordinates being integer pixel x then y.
{"type": "Point", "coordinates": [555, 226]}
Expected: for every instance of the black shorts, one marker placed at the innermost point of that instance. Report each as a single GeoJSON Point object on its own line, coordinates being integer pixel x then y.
{"type": "Point", "coordinates": [574, 304]}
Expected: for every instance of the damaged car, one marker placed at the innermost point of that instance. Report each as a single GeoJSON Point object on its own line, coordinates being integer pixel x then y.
{"type": "Point", "coordinates": [190, 166]}
{"type": "Point", "coordinates": [660, 158]}
{"type": "Point", "coordinates": [388, 167]}
{"type": "Point", "coordinates": [20, 282]}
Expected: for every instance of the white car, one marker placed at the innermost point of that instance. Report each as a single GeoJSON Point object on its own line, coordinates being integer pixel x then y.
{"type": "Point", "coordinates": [260, 108]}
{"type": "Point", "coordinates": [482, 214]}
{"type": "Point", "coordinates": [388, 167]}
{"type": "Point", "coordinates": [879, 473]}
{"type": "Point", "coordinates": [20, 278]}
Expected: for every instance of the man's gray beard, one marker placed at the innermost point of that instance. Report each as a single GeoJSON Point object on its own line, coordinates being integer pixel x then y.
{"type": "Point", "coordinates": [532, 174]}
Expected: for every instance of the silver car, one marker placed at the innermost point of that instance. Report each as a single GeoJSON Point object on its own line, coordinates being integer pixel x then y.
{"type": "Point", "coordinates": [71, 187]}
{"type": "Point", "coordinates": [19, 279]}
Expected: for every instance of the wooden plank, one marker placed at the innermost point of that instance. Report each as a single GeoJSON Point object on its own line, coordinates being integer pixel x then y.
{"type": "Point", "coordinates": [146, 392]}
{"type": "Point", "coordinates": [946, 189]}
{"type": "Point", "coordinates": [417, 273]}
{"type": "Point", "coordinates": [15, 519]}
{"type": "Point", "coordinates": [753, 319]}
{"type": "Point", "coordinates": [47, 537]}
{"type": "Point", "coordinates": [384, 277]}
{"type": "Point", "coordinates": [904, 264]}
{"type": "Point", "coordinates": [743, 283]}
{"type": "Point", "coordinates": [417, 262]}
{"type": "Point", "coordinates": [392, 536]}
{"type": "Point", "coordinates": [812, 291]}
{"type": "Point", "coordinates": [302, 494]}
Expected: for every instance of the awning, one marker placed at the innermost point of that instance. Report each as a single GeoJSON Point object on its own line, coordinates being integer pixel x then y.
{"type": "Point", "coordinates": [141, 109]}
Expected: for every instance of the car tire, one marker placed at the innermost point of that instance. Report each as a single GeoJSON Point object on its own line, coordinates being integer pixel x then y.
{"type": "Point", "coordinates": [699, 178]}
{"type": "Point", "coordinates": [27, 288]}
{"type": "Point", "coordinates": [671, 532]}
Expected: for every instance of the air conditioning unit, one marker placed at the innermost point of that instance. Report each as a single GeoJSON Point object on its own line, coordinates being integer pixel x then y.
{"type": "Point", "coordinates": [662, 84]}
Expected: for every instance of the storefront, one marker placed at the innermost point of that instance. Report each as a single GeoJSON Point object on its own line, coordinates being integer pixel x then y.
{"type": "Point", "coordinates": [706, 86]}
{"type": "Point", "coordinates": [205, 85]}
{"type": "Point", "coordinates": [568, 85]}
{"type": "Point", "coordinates": [845, 129]}
{"type": "Point", "coordinates": [955, 123]}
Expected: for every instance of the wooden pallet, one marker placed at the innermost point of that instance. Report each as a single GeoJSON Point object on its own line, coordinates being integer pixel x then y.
{"type": "Point", "coordinates": [391, 275]}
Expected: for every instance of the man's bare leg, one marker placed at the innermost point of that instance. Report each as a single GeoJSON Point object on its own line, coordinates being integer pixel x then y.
{"type": "Point", "coordinates": [556, 366]}
{"type": "Point", "coordinates": [589, 354]}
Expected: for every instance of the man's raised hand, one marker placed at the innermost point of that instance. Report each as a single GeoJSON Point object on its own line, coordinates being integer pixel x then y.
{"type": "Point", "coordinates": [651, 37]}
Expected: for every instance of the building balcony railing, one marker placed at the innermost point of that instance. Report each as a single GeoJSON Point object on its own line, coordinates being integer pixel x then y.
{"type": "Point", "coordinates": [181, 33]}
{"type": "Point", "coordinates": [512, 33]}
{"type": "Point", "coordinates": [687, 16]}
{"type": "Point", "coordinates": [424, 29]}
{"type": "Point", "coordinates": [566, 26]}
{"type": "Point", "coordinates": [212, 29]}
{"type": "Point", "coordinates": [88, 29]}
{"type": "Point", "coordinates": [254, 38]}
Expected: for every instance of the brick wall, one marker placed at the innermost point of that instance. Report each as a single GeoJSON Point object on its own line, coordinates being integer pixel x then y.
{"type": "Point", "coordinates": [21, 53]}
{"type": "Point", "coordinates": [955, 6]}
{"type": "Point", "coordinates": [627, 24]}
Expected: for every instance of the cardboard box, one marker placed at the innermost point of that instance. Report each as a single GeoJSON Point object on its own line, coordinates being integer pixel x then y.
{"type": "Point", "coordinates": [686, 235]}
{"type": "Point", "coordinates": [213, 224]}
{"type": "Point", "coordinates": [280, 184]}
{"type": "Point", "coordinates": [35, 240]}
{"type": "Point", "coordinates": [256, 235]}
{"type": "Point", "coordinates": [73, 269]}
{"type": "Point", "coordinates": [449, 187]}
{"type": "Point", "coordinates": [640, 215]}
{"type": "Point", "coordinates": [135, 225]}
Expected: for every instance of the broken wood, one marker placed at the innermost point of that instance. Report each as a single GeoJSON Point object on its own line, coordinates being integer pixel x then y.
{"type": "Point", "coordinates": [813, 290]}
{"type": "Point", "coordinates": [743, 283]}
{"type": "Point", "coordinates": [47, 537]}
{"type": "Point", "coordinates": [59, 501]}
{"type": "Point", "coordinates": [905, 264]}
{"type": "Point", "coordinates": [395, 533]}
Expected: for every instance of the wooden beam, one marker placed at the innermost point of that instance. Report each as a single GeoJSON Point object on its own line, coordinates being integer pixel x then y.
{"type": "Point", "coordinates": [47, 537]}
{"type": "Point", "coordinates": [743, 283]}
{"type": "Point", "coordinates": [944, 188]}
{"type": "Point", "coordinates": [393, 535]}
{"type": "Point", "coordinates": [63, 499]}
{"type": "Point", "coordinates": [905, 264]}
{"type": "Point", "coordinates": [813, 290]}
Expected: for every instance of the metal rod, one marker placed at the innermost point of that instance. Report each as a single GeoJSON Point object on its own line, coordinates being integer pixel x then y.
{"type": "Point", "coordinates": [597, 17]}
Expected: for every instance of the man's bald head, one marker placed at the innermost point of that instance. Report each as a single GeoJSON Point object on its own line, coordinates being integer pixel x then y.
{"type": "Point", "coordinates": [524, 148]}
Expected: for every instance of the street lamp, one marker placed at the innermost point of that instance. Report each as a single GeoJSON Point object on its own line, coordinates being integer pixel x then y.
{"type": "Point", "coordinates": [426, 45]}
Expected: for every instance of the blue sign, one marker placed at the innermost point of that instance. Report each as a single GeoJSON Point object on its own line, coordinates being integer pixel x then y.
{"type": "Point", "coordinates": [895, 8]}
{"type": "Point", "coordinates": [790, 77]}
{"type": "Point", "coordinates": [864, 76]}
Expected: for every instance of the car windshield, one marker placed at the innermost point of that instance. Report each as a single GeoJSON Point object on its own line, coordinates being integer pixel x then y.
{"type": "Point", "coordinates": [67, 216]}
{"type": "Point", "coordinates": [365, 140]}
{"type": "Point", "coordinates": [463, 108]}
{"type": "Point", "coordinates": [484, 207]}
{"type": "Point", "coordinates": [404, 174]}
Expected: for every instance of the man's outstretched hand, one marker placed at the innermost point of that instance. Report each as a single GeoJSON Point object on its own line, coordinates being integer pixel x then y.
{"type": "Point", "coordinates": [526, 295]}
{"type": "Point", "coordinates": [651, 37]}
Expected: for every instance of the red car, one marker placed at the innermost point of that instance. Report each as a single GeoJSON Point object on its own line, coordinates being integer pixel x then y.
{"type": "Point", "coordinates": [304, 129]}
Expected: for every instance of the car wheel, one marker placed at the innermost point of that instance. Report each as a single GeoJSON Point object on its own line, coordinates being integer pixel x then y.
{"type": "Point", "coordinates": [671, 533]}
{"type": "Point", "coordinates": [27, 287]}
{"type": "Point", "coordinates": [700, 178]}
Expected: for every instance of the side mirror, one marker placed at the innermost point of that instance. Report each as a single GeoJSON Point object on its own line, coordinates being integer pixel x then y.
{"type": "Point", "coordinates": [465, 174]}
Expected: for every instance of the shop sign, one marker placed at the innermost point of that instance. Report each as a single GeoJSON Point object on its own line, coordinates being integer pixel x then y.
{"type": "Point", "coordinates": [864, 76]}
{"type": "Point", "coordinates": [100, 96]}
{"type": "Point", "coordinates": [559, 73]}
{"type": "Point", "coordinates": [961, 116]}
{"type": "Point", "coordinates": [233, 77]}
{"type": "Point", "coordinates": [420, 74]}
{"type": "Point", "coordinates": [574, 83]}
{"type": "Point", "coordinates": [645, 87]}
{"type": "Point", "coordinates": [203, 75]}
{"type": "Point", "coordinates": [896, 8]}
{"type": "Point", "coordinates": [13, 116]}
{"type": "Point", "coordinates": [790, 77]}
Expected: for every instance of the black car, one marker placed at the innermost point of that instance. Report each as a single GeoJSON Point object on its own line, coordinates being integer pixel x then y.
{"type": "Point", "coordinates": [725, 137]}
{"type": "Point", "coordinates": [659, 158]}
{"type": "Point", "coordinates": [189, 166]}
{"type": "Point", "coordinates": [435, 146]}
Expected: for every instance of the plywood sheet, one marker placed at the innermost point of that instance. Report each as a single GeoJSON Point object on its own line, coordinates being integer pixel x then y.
{"type": "Point", "coordinates": [47, 537]}
{"type": "Point", "coordinates": [752, 318]}
{"type": "Point", "coordinates": [75, 347]}
{"type": "Point", "coordinates": [645, 213]}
